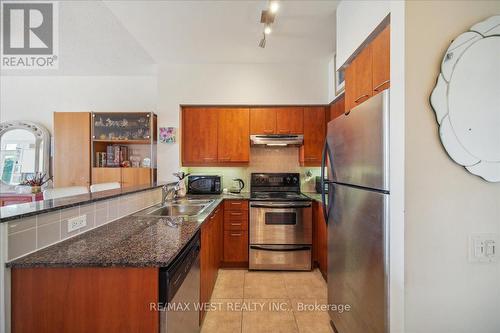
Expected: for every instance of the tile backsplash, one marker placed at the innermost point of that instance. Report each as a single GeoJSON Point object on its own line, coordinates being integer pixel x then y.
{"type": "Point", "coordinates": [33, 233]}
{"type": "Point", "coordinates": [264, 159]}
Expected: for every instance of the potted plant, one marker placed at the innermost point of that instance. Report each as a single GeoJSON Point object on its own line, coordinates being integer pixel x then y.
{"type": "Point", "coordinates": [36, 182]}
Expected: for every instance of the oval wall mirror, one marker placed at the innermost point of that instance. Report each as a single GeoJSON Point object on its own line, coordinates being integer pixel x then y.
{"type": "Point", "coordinates": [466, 100]}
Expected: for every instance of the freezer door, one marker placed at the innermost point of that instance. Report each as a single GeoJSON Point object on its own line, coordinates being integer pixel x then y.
{"type": "Point", "coordinates": [359, 142]}
{"type": "Point", "coordinates": [357, 260]}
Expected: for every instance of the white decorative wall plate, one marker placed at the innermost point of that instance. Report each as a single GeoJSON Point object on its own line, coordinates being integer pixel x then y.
{"type": "Point", "coordinates": [466, 100]}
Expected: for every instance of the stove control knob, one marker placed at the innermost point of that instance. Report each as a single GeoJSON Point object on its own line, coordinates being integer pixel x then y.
{"type": "Point", "coordinates": [288, 180]}
{"type": "Point", "coordinates": [295, 180]}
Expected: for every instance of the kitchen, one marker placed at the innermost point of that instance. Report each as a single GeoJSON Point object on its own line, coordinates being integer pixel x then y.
{"type": "Point", "coordinates": [266, 146]}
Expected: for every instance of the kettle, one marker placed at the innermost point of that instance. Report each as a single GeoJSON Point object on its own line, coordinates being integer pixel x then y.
{"type": "Point", "coordinates": [240, 184]}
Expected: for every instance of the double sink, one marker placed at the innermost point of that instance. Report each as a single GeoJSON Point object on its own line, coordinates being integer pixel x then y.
{"type": "Point", "coordinates": [179, 207]}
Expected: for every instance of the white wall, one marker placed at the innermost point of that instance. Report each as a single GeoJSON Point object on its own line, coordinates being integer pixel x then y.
{"type": "Point", "coordinates": [444, 203]}
{"type": "Point", "coordinates": [355, 21]}
{"type": "Point", "coordinates": [35, 98]}
{"type": "Point", "coordinates": [233, 84]}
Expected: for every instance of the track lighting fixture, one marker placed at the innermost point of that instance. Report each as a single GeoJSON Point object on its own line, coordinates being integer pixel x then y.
{"type": "Point", "coordinates": [267, 18]}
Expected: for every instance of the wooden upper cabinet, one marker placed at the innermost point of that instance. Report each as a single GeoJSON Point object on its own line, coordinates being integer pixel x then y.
{"type": "Point", "coordinates": [381, 61]}
{"type": "Point", "coordinates": [262, 121]}
{"type": "Point", "coordinates": [314, 136]}
{"type": "Point", "coordinates": [71, 149]}
{"type": "Point", "coordinates": [290, 120]}
{"type": "Point", "coordinates": [358, 79]}
{"type": "Point", "coordinates": [336, 109]}
{"type": "Point", "coordinates": [199, 136]}
{"type": "Point", "coordinates": [233, 140]}
{"type": "Point", "coordinates": [369, 72]}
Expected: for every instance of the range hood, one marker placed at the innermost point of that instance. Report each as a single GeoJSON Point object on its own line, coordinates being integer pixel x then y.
{"type": "Point", "coordinates": [277, 140]}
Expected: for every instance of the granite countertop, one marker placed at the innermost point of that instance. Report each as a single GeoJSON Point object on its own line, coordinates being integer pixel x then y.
{"type": "Point", "coordinates": [132, 241]}
{"type": "Point", "coordinates": [12, 212]}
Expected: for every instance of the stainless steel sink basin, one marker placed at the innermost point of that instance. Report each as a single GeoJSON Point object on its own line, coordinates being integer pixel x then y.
{"type": "Point", "coordinates": [182, 207]}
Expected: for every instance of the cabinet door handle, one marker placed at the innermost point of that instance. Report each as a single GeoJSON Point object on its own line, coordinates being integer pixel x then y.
{"type": "Point", "coordinates": [225, 159]}
{"type": "Point", "coordinates": [235, 203]}
{"type": "Point", "coordinates": [235, 224]}
{"type": "Point", "coordinates": [380, 85]}
{"type": "Point", "coordinates": [310, 158]}
{"type": "Point", "coordinates": [236, 214]}
{"type": "Point", "coordinates": [284, 131]}
{"type": "Point", "coordinates": [209, 158]}
{"type": "Point", "coordinates": [268, 131]}
{"type": "Point", "coordinates": [360, 98]}
{"type": "Point", "coordinates": [236, 235]}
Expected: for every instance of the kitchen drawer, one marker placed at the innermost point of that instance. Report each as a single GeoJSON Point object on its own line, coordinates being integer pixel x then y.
{"type": "Point", "coordinates": [236, 205]}
{"type": "Point", "coordinates": [235, 246]}
{"type": "Point", "coordinates": [235, 224]}
{"type": "Point", "coordinates": [236, 215]}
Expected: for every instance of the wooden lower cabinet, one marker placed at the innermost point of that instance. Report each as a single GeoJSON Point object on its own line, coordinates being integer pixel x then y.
{"type": "Point", "coordinates": [320, 239]}
{"type": "Point", "coordinates": [135, 176]}
{"type": "Point", "coordinates": [235, 233]}
{"type": "Point", "coordinates": [210, 254]}
{"type": "Point", "coordinates": [127, 177]}
{"type": "Point", "coordinates": [79, 300]}
{"type": "Point", "coordinates": [106, 175]}
{"type": "Point", "coordinates": [236, 247]}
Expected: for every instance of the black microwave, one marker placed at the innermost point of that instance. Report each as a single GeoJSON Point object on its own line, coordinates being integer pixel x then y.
{"type": "Point", "coordinates": [204, 185]}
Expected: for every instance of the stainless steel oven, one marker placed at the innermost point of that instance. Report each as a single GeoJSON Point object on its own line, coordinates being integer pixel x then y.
{"type": "Point", "coordinates": [280, 223]}
{"type": "Point", "coordinates": [280, 235]}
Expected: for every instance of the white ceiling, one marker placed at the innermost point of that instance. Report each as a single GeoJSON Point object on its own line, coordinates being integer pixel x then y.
{"type": "Point", "coordinates": [229, 31]}
{"type": "Point", "coordinates": [132, 37]}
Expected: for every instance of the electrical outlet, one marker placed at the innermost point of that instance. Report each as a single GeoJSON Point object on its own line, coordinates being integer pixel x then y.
{"type": "Point", "coordinates": [483, 247]}
{"type": "Point", "coordinates": [77, 222]}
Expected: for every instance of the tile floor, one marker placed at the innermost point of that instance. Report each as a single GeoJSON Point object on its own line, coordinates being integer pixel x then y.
{"type": "Point", "coordinates": [260, 302]}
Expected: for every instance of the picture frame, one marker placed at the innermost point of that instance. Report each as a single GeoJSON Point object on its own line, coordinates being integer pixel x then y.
{"type": "Point", "coordinates": [167, 135]}
{"type": "Point", "coordinates": [339, 78]}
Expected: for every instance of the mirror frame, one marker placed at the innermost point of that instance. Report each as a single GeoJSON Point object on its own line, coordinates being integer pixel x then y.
{"type": "Point", "coordinates": [439, 100]}
{"type": "Point", "coordinates": [41, 135]}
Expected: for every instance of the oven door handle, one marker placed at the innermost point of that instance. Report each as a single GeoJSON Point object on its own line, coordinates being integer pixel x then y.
{"type": "Point", "coordinates": [287, 205]}
{"type": "Point", "coordinates": [280, 249]}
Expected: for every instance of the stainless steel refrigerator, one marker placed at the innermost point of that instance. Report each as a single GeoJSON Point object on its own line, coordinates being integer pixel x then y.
{"type": "Point", "coordinates": [356, 158]}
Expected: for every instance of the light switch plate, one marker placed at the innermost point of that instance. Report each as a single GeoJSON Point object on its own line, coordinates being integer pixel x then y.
{"type": "Point", "coordinates": [77, 222]}
{"type": "Point", "coordinates": [483, 247]}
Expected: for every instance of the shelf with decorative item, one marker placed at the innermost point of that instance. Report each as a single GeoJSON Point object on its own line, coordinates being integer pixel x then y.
{"type": "Point", "coordinates": [122, 140]}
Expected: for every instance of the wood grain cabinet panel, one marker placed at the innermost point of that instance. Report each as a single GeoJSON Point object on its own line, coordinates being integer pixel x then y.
{"type": "Point", "coordinates": [337, 108]}
{"type": "Point", "coordinates": [290, 120]}
{"type": "Point", "coordinates": [235, 246]}
{"type": "Point", "coordinates": [100, 300]}
{"type": "Point", "coordinates": [71, 149]}
{"type": "Point", "coordinates": [210, 254]}
{"type": "Point", "coordinates": [235, 233]}
{"type": "Point", "coordinates": [135, 176]}
{"type": "Point", "coordinates": [381, 61]}
{"type": "Point", "coordinates": [320, 250]}
{"type": "Point", "coordinates": [233, 141]}
{"type": "Point", "coordinates": [358, 79]}
{"type": "Point", "coordinates": [314, 136]}
{"type": "Point", "coordinates": [262, 121]}
{"type": "Point", "coordinates": [106, 175]}
{"type": "Point", "coordinates": [199, 136]}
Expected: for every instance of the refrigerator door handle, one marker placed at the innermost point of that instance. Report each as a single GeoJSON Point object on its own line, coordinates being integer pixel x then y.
{"type": "Point", "coordinates": [326, 153]}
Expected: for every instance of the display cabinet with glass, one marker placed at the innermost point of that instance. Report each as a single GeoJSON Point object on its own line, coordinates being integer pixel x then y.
{"type": "Point", "coordinates": [124, 148]}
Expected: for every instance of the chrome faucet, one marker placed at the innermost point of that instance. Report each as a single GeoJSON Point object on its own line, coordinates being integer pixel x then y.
{"type": "Point", "coordinates": [169, 192]}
